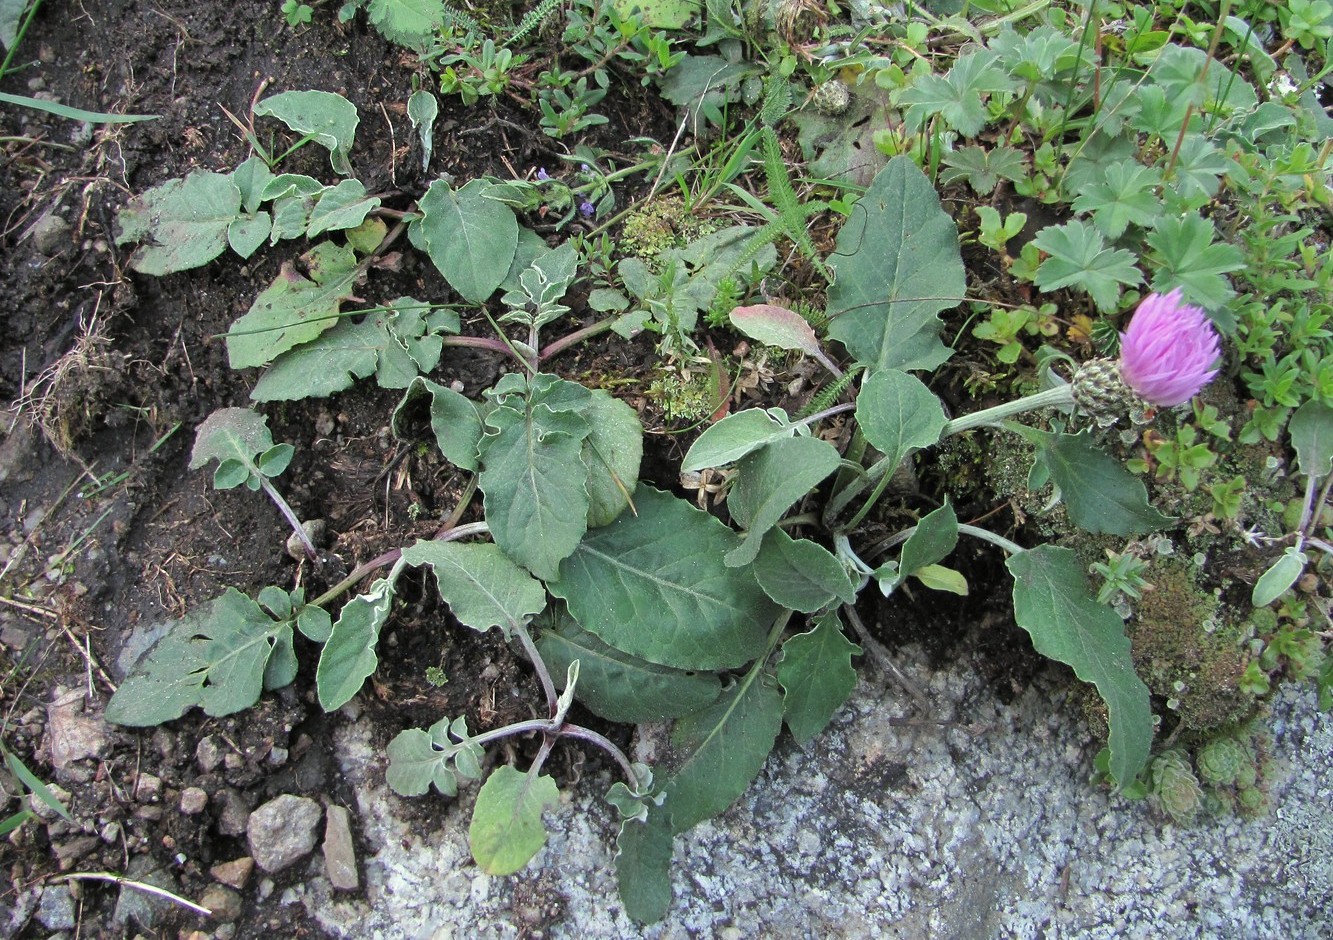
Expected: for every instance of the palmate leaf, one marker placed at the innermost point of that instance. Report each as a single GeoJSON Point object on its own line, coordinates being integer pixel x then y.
{"type": "Point", "coordinates": [507, 829]}
{"type": "Point", "coordinates": [215, 658]}
{"type": "Point", "coordinates": [984, 169]}
{"type": "Point", "coordinates": [816, 675]}
{"type": "Point", "coordinates": [653, 585]}
{"type": "Point", "coordinates": [1125, 196]}
{"type": "Point", "coordinates": [1053, 603]}
{"type": "Point", "coordinates": [959, 96]}
{"type": "Point", "coordinates": [533, 475]}
{"type": "Point", "coordinates": [897, 265]}
{"type": "Point", "coordinates": [1079, 258]}
{"type": "Point", "coordinates": [294, 309]}
{"type": "Point", "coordinates": [394, 345]}
{"type": "Point", "coordinates": [1191, 259]}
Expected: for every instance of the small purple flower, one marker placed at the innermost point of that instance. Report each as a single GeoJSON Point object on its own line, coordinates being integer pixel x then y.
{"type": "Point", "coordinates": [1170, 350]}
{"type": "Point", "coordinates": [542, 175]}
{"type": "Point", "coordinates": [587, 209]}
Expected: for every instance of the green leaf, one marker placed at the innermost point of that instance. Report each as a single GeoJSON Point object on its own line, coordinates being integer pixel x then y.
{"type": "Point", "coordinates": [328, 119]}
{"type": "Point", "coordinates": [34, 783]}
{"type": "Point", "coordinates": [533, 475]}
{"type": "Point", "coordinates": [438, 757]}
{"type": "Point", "coordinates": [348, 658]}
{"type": "Point", "coordinates": [898, 414]}
{"type": "Point", "coordinates": [1079, 258]}
{"type": "Point", "coordinates": [393, 344]}
{"type": "Point", "coordinates": [800, 575]}
{"type": "Point", "coordinates": [1100, 494]}
{"type": "Point", "coordinates": [507, 830]}
{"type": "Point", "coordinates": [410, 23]}
{"type": "Point", "coordinates": [235, 435]}
{"type": "Point", "coordinates": [653, 585]}
{"type": "Point", "coordinates": [294, 309]}
{"type": "Point", "coordinates": [181, 224]}
{"type": "Point", "coordinates": [897, 266]}
{"type": "Point", "coordinates": [658, 14]}
{"type": "Point", "coordinates": [1280, 576]}
{"type": "Point", "coordinates": [470, 239]}
{"type": "Point", "coordinates": [344, 206]}
{"type": "Point", "coordinates": [251, 179]}
{"type": "Point", "coordinates": [722, 748]}
{"type": "Point", "coordinates": [1124, 196]}
{"type": "Point", "coordinates": [11, 15]}
{"type": "Point", "coordinates": [983, 169]}
{"type": "Point", "coordinates": [735, 436]}
{"type": "Point", "coordinates": [959, 96]}
{"type": "Point", "coordinates": [1191, 259]}
{"type": "Point", "coordinates": [1053, 603]}
{"type": "Point", "coordinates": [482, 587]}
{"type": "Point", "coordinates": [1311, 430]}
{"type": "Point", "coordinates": [612, 452]}
{"type": "Point", "coordinates": [422, 109]}
{"type": "Point", "coordinates": [816, 675]}
{"type": "Point", "coordinates": [643, 867]}
{"type": "Point", "coordinates": [291, 185]}
{"type": "Point", "coordinates": [73, 114]}
{"type": "Point", "coordinates": [769, 481]}
{"type": "Point", "coordinates": [215, 658]}
{"type": "Point", "coordinates": [776, 326]}
{"type": "Point", "coordinates": [246, 234]}
{"type": "Point", "coordinates": [932, 541]}
{"type": "Point", "coordinates": [454, 419]}
{"type": "Point", "coordinates": [940, 578]}
{"type": "Point", "coordinates": [620, 687]}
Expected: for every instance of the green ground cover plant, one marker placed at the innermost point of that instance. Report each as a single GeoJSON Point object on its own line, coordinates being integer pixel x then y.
{"type": "Point", "coordinates": [1182, 169]}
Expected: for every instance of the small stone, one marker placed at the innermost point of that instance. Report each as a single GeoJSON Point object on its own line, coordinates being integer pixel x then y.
{"type": "Point", "coordinates": [40, 807]}
{"type": "Point", "coordinates": [282, 831]}
{"type": "Point", "coordinates": [223, 902]}
{"type": "Point", "coordinates": [56, 908]}
{"type": "Point", "coordinates": [50, 233]}
{"type": "Point", "coordinates": [193, 801]}
{"type": "Point", "coordinates": [69, 853]}
{"type": "Point", "coordinates": [208, 754]}
{"type": "Point", "coordinates": [277, 756]}
{"type": "Point", "coordinates": [233, 874]}
{"type": "Point", "coordinates": [139, 906]}
{"type": "Point", "coordinates": [70, 734]}
{"type": "Point", "coordinates": [314, 530]}
{"type": "Point", "coordinates": [148, 788]}
{"type": "Point", "coordinates": [233, 761]}
{"type": "Point", "coordinates": [234, 815]}
{"type": "Point", "coordinates": [339, 852]}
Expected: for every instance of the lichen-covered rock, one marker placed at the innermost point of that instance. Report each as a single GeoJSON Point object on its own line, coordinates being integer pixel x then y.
{"type": "Point", "coordinates": [283, 831]}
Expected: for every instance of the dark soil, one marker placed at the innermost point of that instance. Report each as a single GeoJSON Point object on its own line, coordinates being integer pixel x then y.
{"type": "Point", "coordinates": [105, 530]}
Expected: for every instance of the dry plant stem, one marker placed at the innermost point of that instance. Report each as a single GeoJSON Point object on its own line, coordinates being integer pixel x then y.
{"type": "Point", "coordinates": [292, 519]}
{"type": "Point", "coordinates": [137, 886]}
{"type": "Point", "coordinates": [883, 659]}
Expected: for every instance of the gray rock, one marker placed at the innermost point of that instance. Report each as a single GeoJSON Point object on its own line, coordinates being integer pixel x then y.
{"type": "Point", "coordinates": [223, 902]}
{"type": "Point", "coordinates": [141, 907]}
{"type": "Point", "coordinates": [233, 874]}
{"type": "Point", "coordinates": [234, 815]}
{"type": "Point", "coordinates": [50, 233]}
{"type": "Point", "coordinates": [283, 831]}
{"type": "Point", "coordinates": [208, 753]}
{"type": "Point", "coordinates": [193, 801]}
{"type": "Point", "coordinates": [56, 908]}
{"type": "Point", "coordinates": [70, 734]}
{"type": "Point", "coordinates": [339, 852]}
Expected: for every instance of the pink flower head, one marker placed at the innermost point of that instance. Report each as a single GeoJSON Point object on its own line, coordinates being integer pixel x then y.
{"type": "Point", "coordinates": [1170, 350]}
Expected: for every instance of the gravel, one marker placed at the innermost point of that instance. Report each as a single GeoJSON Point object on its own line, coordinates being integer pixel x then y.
{"type": "Point", "coordinates": [977, 822]}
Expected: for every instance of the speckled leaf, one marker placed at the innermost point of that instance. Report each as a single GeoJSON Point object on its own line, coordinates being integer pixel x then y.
{"type": "Point", "coordinates": [180, 224]}
{"type": "Point", "coordinates": [329, 119]}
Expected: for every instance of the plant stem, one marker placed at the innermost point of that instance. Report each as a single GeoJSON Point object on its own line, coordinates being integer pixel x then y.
{"type": "Point", "coordinates": [578, 336]}
{"type": "Point", "coordinates": [1062, 396]}
{"type": "Point", "coordinates": [538, 664]}
{"type": "Point", "coordinates": [290, 515]}
{"type": "Point", "coordinates": [447, 534]}
{"type": "Point", "coordinates": [1013, 548]}
{"type": "Point", "coordinates": [548, 726]}
{"type": "Point", "coordinates": [484, 342]}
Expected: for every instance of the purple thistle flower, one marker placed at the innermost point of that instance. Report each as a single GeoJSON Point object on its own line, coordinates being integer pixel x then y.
{"type": "Point", "coordinates": [587, 209]}
{"type": "Point", "coordinates": [1170, 350]}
